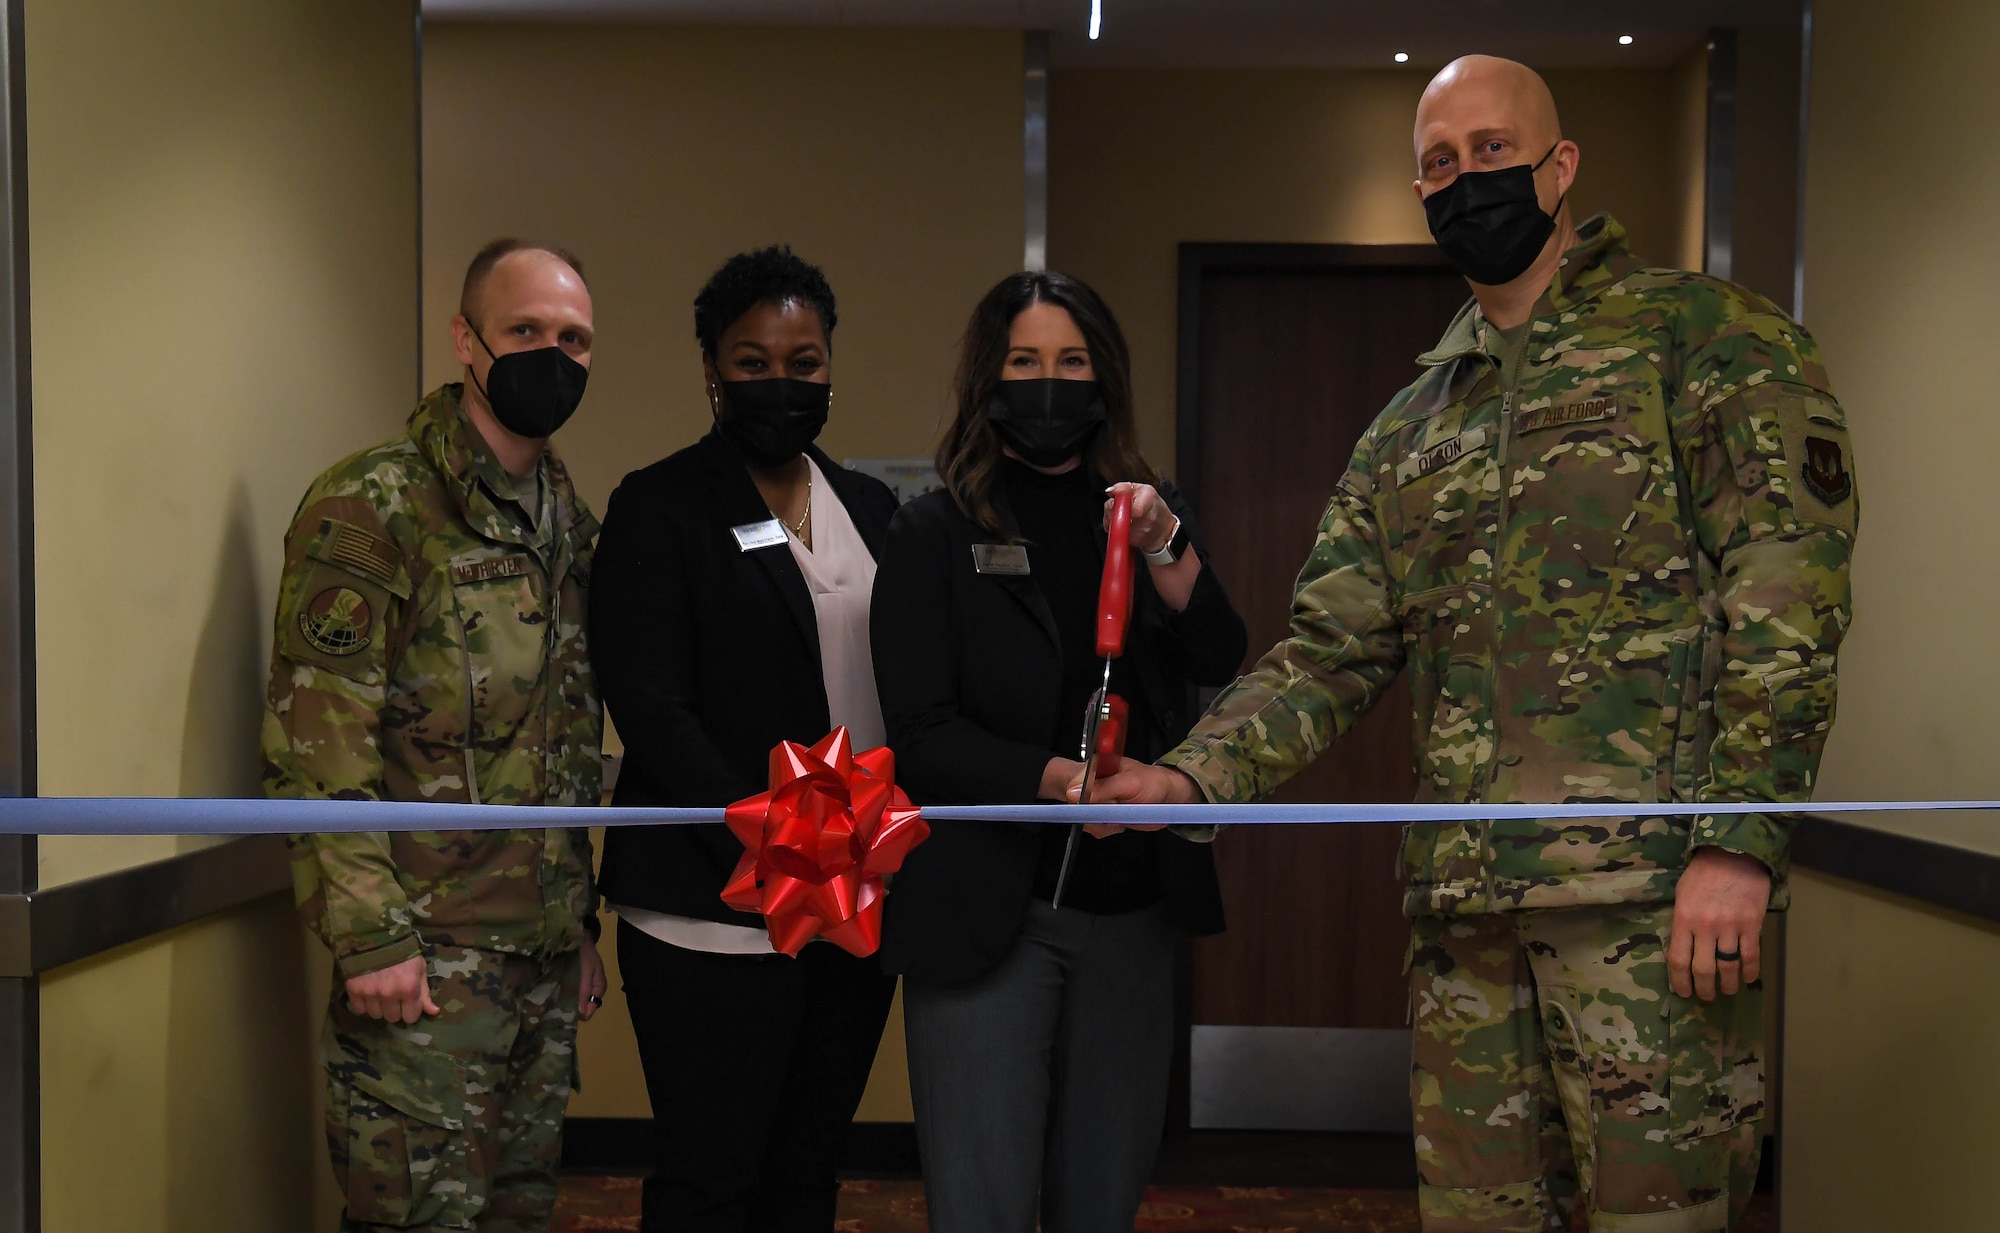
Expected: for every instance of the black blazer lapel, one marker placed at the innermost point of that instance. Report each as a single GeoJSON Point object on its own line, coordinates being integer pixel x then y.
{"type": "Point", "coordinates": [737, 503]}
{"type": "Point", "coordinates": [1031, 598]}
{"type": "Point", "coordinates": [1028, 593]}
{"type": "Point", "coordinates": [1024, 589]}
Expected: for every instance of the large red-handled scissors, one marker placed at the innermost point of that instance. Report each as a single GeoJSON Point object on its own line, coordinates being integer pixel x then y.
{"type": "Point", "coordinates": [1104, 721]}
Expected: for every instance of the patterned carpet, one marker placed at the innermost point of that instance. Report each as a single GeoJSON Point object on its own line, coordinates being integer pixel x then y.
{"type": "Point", "coordinates": [612, 1203]}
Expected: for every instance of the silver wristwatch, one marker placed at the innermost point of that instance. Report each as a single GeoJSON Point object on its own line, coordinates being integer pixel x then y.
{"type": "Point", "coordinates": [1177, 543]}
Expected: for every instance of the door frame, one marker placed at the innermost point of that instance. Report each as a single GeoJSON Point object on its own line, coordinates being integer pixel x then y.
{"type": "Point", "coordinates": [1197, 261]}
{"type": "Point", "coordinates": [1200, 259]}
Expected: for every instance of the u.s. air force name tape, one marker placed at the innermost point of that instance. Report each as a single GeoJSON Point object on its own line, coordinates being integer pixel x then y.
{"type": "Point", "coordinates": [75, 815]}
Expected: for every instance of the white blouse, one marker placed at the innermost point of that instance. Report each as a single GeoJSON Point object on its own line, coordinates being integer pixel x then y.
{"type": "Point", "coordinates": [840, 572]}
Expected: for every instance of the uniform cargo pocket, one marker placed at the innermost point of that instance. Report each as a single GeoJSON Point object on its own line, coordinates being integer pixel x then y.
{"type": "Point", "coordinates": [400, 1115]}
{"type": "Point", "coordinates": [1716, 1079]}
{"type": "Point", "coordinates": [1449, 646]}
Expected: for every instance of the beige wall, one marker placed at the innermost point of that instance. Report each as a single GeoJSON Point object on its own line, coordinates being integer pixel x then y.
{"type": "Point", "coordinates": [1891, 1083]}
{"type": "Point", "coordinates": [1891, 1074]}
{"type": "Point", "coordinates": [222, 253]}
{"type": "Point", "coordinates": [222, 218]}
{"type": "Point", "coordinates": [1900, 260]}
{"type": "Point", "coordinates": [179, 1090]}
{"type": "Point", "coordinates": [1142, 160]}
{"type": "Point", "coordinates": [890, 158]}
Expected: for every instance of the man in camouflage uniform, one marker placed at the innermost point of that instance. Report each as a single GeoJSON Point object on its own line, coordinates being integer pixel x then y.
{"type": "Point", "coordinates": [1608, 533]}
{"type": "Point", "coordinates": [430, 647]}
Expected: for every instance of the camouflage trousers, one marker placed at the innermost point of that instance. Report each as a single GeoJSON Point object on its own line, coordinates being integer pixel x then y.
{"type": "Point", "coordinates": [455, 1122]}
{"type": "Point", "coordinates": [1556, 1071]}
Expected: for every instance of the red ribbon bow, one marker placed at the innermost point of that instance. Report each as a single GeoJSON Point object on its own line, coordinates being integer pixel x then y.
{"type": "Point", "coordinates": [816, 846]}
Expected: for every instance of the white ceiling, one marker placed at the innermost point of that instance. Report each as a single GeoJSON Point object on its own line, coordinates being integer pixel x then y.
{"type": "Point", "coordinates": [1239, 33]}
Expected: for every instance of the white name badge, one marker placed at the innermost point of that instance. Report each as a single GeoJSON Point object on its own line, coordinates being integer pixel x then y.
{"type": "Point", "coordinates": [754, 535]}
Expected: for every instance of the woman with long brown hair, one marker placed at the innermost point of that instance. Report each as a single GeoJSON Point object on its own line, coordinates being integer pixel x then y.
{"type": "Point", "coordinates": [1038, 961]}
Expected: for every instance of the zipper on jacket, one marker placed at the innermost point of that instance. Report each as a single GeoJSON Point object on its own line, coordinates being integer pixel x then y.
{"type": "Point", "coordinates": [1510, 385]}
{"type": "Point", "coordinates": [471, 772]}
{"type": "Point", "coordinates": [555, 569]}
{"type": "Point", "coordinates": [551, 687]}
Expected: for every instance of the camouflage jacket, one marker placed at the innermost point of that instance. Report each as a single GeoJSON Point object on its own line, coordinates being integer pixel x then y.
{"type": "Point", "coordinates": [1618, 572]}
{"type": "Point", "coordinates": [430, 647]}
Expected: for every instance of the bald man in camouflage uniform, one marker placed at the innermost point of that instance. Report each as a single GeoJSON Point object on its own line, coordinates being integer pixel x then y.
{"type": "Point", "coordinates": [1607, 532]}
{"type": "Point", "coordinates": [430, 647]}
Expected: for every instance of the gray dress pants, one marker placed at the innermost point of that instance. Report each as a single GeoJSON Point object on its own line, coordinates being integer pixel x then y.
{"type": "Point", "coordinates": [1041, 1088]}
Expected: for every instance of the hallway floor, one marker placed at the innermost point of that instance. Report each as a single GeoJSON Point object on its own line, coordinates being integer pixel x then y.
{"type": "Point", "coordinates": [612, 1203]}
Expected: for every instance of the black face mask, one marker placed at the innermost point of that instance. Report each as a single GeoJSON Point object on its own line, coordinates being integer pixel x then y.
{"type": "Point", "coordinates": [1047, 420]}
{"type": "Point", "coordinates": [1490, 223]}
{"type": "Point", "coordinates": [532, 393]}
{"type": "Point", "coordinates": [771, 421]}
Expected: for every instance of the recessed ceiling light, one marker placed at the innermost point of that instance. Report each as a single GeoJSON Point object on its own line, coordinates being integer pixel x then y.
{"type": "Point", "coordinates": [1096, 18]}
{"type": "Point", "coordinates": [1402, 57]}
{"type": "Point", "coordinates": [1624, 40]}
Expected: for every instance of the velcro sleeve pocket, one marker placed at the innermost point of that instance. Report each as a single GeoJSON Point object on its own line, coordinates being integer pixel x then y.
{"type": "Point", "coordinates": [1802, 706]}
{"type": "Point", "coordinates": [1818, 458]}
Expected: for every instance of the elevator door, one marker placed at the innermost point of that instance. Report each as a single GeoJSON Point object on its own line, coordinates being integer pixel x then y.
{"type": "Point", "coordinates": [1299, 1011]}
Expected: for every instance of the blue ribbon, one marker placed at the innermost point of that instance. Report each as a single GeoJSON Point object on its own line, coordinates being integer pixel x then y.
{"type": "Point", "coordinates": [255, 816]}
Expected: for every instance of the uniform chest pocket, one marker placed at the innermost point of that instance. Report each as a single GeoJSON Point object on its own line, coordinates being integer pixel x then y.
{"type": "Point", "coordinates": [1577, 471]}
{"type": "Point", "coordinates": [503, 610]}
{"type": "Point", "coordinates": [1442, 480]}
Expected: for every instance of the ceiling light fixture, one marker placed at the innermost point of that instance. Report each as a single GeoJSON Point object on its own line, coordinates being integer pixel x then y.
{"type": "Point", "coordinates": [1402, 57]}
{"type": "Point", "coordinates": [1624, 40]}
{"type": "Point", "coordinates": [1096, 19]}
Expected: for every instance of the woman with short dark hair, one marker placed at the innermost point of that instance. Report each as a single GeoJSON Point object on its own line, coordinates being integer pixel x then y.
{"type": "Point", "coordinates": [1038, 961]}
{"type": "Point", "coordinates": [729, 613]}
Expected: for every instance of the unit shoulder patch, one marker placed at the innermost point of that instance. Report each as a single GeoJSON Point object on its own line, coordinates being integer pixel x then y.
{"type": "Point", "coordinates": [1825, 471]}
{"type": "Point", "coordinates": [337, 621]}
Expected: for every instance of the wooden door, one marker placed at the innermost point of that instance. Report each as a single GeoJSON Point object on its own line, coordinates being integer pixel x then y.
{"type": "Point", "coordinates": [1295, 352]}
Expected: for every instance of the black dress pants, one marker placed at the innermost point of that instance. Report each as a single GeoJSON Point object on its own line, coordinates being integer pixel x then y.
{"type": "Point", "coordinates": [755, 1065]}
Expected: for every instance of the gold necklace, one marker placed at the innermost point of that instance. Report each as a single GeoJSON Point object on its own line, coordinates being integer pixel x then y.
{"type": "Point", "coordinates": [800, 529]}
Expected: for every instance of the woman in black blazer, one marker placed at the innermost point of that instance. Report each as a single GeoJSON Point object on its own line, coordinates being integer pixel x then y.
{"type": "Point", "coordinates": [729, 613]}
{"type": "Point", "coordinates": [1038, 961]}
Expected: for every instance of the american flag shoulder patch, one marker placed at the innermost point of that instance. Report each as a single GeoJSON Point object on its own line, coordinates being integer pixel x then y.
{"type": "Point", "coordinates": [364, 552]}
